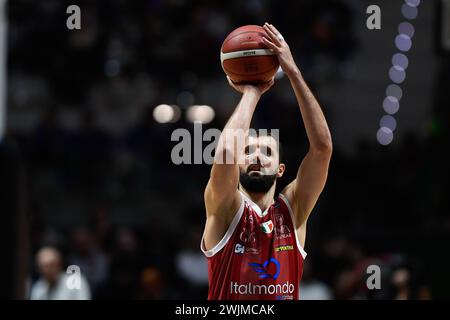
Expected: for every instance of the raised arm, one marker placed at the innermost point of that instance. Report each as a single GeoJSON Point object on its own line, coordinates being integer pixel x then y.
{"type": "Point", "coordinates": [222, 198]}
{"type": "Point", "coordinates": [305, 190]}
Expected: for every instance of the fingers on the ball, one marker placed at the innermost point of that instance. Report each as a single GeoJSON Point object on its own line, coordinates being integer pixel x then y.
{"type": "Point", "coordinates": [268, 31]}
{"type": "Point", "coordinates": [274, 30]}
{"type": "Point", "coordinates": [276, 33]}
{"type": "Point", "coordinates": [270, 44]}
{"type": "Point", "coordinates": [272, 35]}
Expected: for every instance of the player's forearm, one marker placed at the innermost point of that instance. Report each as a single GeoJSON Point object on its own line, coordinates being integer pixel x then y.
{"type": "Point", "coordinates": [313, 118]}
{"type": "Point", "coordinates": [238, 123]}
{"type": "Point", "coordinates": [242, 115]}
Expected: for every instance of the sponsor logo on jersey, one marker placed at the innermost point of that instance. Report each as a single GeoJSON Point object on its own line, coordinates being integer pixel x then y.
{"type": "Point", "coordinates": [267, 227]}
{"type": "Point", "coordinates": [248, 219]}
{"type": "Point", "coordinates": [247, 236]}
{"type": "Point", "coordinates": [287, 297]}
{"type": "Point", "coordinates": [239, 248]}
{"type": "Point", "coordinates": [252, 250]}
{"type": "Point", "coordinates": [284, 290]}
{"type": "Point", "coordinates": [281, 229]}
{"type": "Point", "coordinates": [263, 268]}
{"type": "Point", "coordinates": [284, 248]}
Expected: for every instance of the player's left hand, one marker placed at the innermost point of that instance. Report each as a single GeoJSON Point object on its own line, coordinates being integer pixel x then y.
{"type": "Point", "coordinates": [279, 46]}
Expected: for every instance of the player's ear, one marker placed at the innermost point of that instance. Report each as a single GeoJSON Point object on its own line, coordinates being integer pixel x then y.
{"type": "Point", "coordinates": [281, 169]}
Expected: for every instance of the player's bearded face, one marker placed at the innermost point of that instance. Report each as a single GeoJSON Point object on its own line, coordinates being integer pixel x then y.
{"type": "Point", "coordinates": [257, 183]}
{"type": "Point", "coordinates": [260, 172]}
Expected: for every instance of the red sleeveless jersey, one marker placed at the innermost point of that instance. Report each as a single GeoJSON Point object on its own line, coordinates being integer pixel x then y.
{"type": "Point", "coordinates": [259, 257]}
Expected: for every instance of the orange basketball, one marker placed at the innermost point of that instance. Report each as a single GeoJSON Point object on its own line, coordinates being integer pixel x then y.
{"type": "Point", "coordinates": [245, 58]}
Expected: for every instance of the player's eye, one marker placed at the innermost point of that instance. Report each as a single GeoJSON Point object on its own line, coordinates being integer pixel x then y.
{"type": "Point", "coordinates": [267, 151]}
{"type": "Point", "coordinates": [248, 150]}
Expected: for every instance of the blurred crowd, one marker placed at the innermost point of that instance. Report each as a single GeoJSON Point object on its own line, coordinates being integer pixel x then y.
{"type": "Point", "coordinates": [105, 196]}
{"type": "Point", "coordinates": [134, 225]}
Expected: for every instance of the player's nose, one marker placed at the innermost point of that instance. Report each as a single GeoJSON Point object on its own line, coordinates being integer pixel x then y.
{"type": "Point", "coordinates": [254, 158]}
{"type": "Point", "coordinates": [261, 159]}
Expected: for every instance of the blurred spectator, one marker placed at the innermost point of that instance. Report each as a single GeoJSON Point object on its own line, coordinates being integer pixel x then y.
{"type": "Point", "coordinates": [53, 282]}
{"type": "Point", "coordinates": [312, 288]}
{"type": "Point", "coordinates": [405, 285]}
{"type": "Point", "coordinates": [126, 265]}
{"type": "Point", "coordinates": [151, 284]}
{"type": "Point", "coordinates": [191, 263]}
{"type": "Point", "coordinates": [401, 281]}
{"type": "Point", "coordinates": [90, 258]}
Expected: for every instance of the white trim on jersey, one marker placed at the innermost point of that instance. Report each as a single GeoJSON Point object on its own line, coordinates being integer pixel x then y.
{"type": "Point", "coordinates": [300, 248]}
{"type": "Point", "coordinates": [227, 236]}
{"type": "Point", "coordinates": [255, 206]}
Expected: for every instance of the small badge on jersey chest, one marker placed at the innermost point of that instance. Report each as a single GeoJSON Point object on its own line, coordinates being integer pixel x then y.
{"type": "Point", "coordinates": [267, 227]}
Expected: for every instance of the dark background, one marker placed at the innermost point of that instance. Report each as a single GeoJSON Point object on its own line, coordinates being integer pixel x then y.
{"type": "Point", "coordinates": [89, 168]}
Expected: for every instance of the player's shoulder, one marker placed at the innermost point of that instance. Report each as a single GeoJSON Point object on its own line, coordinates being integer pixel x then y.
{"type": "Point", "coordinates": [284, 203]}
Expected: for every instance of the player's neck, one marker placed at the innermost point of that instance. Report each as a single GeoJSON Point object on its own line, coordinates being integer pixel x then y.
{"type": "Point", "coordinates": [263, 200]}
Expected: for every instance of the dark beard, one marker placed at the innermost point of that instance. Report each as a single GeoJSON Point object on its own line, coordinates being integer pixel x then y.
{"type": "Point", "coordinates": [261, 183]}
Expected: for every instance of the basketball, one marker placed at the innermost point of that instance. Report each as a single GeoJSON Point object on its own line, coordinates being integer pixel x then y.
{"type": "Point", "coordinates": [245, 58]}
